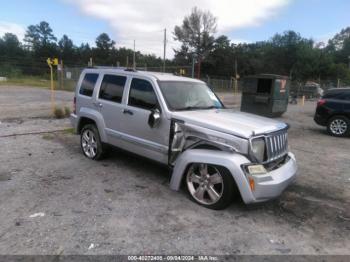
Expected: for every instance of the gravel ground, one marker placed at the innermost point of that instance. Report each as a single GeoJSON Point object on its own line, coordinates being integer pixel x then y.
{"type": "Point", "coordinates": [55, 201]}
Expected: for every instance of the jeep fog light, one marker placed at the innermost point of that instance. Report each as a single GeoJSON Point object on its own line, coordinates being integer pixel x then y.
{"type": "Point", "coordinates": [256, 170]}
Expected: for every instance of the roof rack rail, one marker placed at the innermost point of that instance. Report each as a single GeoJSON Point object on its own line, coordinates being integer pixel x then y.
{"type": "Point", "coordinates": [109, 67]}
{"type": "Point", "coordinates": [130, 70]}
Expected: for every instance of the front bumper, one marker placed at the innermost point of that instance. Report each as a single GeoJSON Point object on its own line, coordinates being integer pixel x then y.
{"type": "Point", "coordinates": [273, 183]}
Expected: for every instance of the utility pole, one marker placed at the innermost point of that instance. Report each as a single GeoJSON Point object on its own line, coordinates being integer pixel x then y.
{"type": "Point", "coordinates": [236, 75]}
{"type": "Point", "coordinates": [193, 66]}
{"type": "Point", "coordinates": [62, 71]}
{"type": "Point", "coordinates": [127, 61]}
{"type": "Point", "coordinates": [164, 50]}
{"type": "Point", "coordinates": [134, 58]}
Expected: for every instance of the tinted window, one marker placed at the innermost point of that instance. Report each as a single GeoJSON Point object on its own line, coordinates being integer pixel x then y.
{"type": "Point", "coordinates": [335, 95]}
{"type": "Point", "coordinates": [88, 84]}
{"type": "Point", "coordinates": [112, 88]}
{"type": "Point", "coordinates": [347, 95]}
{"type": "Point", "coordinates": [142, 94]}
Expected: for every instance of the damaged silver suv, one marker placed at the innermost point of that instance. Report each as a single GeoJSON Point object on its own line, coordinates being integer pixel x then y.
{"type": "Point", "coordinates": [180, 122]}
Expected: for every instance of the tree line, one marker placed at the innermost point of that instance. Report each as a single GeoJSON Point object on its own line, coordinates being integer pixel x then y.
{"type": "Point", "coordinates": [40, 43]}
{"type": "Point", "coordinates": [286, 53]}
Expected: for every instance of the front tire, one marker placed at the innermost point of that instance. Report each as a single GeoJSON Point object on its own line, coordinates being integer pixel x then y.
{"type": "Point", "coordinates": [210, 186]}
{"type": "Point", "coordinates": [90, 143]}
{"type": "Point", "coordinates": [338, 126]}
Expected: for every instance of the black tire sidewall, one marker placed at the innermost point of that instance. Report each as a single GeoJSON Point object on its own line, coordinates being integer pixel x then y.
{"type": "Point", "coordinates": [342, 118]}
{"type": "Point", "coordinates": [100, 151]}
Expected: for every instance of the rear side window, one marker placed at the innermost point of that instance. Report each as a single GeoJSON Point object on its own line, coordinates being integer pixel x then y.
{"type": "Point", "coordinates": [341, 95]}
{"type": "Point", "coordinates": [112, 88]}
{"type": "Point", "coordinates": [88, 84]}
{"type": "Point", "coordinates": [142, 95]}
{"type": "Point", "coordinates": [347, 96]}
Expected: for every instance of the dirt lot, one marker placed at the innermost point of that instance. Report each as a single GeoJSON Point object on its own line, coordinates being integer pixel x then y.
{"type": "Point", "coordinates": [55, 201]}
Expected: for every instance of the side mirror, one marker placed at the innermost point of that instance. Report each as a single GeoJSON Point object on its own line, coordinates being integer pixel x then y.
{"type": "Point", "coordinates": [154, 118]}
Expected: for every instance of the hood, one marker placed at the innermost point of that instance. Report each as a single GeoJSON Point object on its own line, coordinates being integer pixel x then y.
{"type": "Point", "coordinates": [231, 121]}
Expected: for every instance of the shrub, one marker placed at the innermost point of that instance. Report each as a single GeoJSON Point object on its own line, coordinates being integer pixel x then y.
{"type": "Point", "coordinates": [58, 112]}
{"type": "Point", "coordinates": [67, 111]}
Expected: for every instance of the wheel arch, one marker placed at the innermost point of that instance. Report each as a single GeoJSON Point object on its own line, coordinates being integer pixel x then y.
{"type": "Point", "coordinates": [83, 121]}
{"type": "Point", "coordinates": [342, 114]}
{"type": "Point", "coordinates": [88, 116]}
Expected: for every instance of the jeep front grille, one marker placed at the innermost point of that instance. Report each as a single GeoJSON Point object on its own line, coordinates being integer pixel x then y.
{"type": "Point", "coordinates": [276, 145]}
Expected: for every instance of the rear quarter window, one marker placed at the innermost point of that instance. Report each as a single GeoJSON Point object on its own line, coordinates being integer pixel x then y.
{"type": "Point", "coordinates": [88, 84]}
{"type": "Point", "coordinates": [112, 88]}
{"type": "Point", "coordinates": [347, 96]}
{"type": "Point", "coordinates": [333, 95]}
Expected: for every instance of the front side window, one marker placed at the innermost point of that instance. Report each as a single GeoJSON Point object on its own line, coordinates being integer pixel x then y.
{"type": "Point", "coordinates": [188, 96]}
{"type": "Point", "coordinates": [142, 94]}
{"type": "Point", "coordinates": [112, 88]}
{"type": "Point", "coordinates": [88, 84]}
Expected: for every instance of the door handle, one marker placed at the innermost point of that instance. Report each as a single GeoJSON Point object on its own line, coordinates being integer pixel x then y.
{"type": "Point", "coordinates": [127, 111]}
{"type": "Point", "coordinates": [98, 104]}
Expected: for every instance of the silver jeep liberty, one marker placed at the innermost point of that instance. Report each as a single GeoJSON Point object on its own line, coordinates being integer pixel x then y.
{"type": "Point", "coordinates": [180, 122]}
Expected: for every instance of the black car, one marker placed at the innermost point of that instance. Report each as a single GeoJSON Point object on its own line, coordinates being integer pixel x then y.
{"type": "Point", "coordinates": [333, 111]}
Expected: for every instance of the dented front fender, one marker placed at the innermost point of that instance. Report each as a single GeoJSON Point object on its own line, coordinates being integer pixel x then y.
{"type": "Point", "coordinates": [231, 161]}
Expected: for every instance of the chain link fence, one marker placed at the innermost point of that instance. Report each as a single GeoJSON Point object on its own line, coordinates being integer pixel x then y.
{"type": "Point", "coordinates": [68, 77]}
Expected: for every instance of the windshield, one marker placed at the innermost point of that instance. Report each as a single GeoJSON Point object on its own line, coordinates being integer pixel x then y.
{"type": "Point", "coordinates": [188, 96]}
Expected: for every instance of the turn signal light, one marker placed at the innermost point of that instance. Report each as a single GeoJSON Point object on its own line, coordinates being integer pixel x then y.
{"type": "Point", "coordinates": [252, 184]}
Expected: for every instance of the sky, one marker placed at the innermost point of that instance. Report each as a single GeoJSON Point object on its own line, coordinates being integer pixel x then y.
{"type": "Point", "coordinates": [144, 20]}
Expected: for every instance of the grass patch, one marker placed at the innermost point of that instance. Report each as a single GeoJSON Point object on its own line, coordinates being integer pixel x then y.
{"type": "Point", "coordinates": [32, 81]}
{"type": "Point", "coordinates": [69, 131]}
{"type": "Point", "coordinates": [27, 81]}
{"type": "Point", "coordinates": [48, 136]}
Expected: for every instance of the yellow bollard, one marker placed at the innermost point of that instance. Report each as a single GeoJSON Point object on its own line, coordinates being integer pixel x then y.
{"type": "Point", "coordinates": [50, 62]}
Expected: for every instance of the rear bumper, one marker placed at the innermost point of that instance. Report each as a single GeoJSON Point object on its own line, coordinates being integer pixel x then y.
{"type": "Point", "coordinates": [74, 121]}
{"type": "Point", "coordinates": [272, 184]}
{"type": "Point", "coordinates": [320, 120]}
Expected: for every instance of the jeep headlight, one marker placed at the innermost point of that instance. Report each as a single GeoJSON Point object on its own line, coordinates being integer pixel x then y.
{"type": "Point", "coordinates": [258, 149]}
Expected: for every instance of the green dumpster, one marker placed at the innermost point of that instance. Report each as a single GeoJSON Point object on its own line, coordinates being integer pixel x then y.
{"type": "Point", "coordinates": [265, 95]}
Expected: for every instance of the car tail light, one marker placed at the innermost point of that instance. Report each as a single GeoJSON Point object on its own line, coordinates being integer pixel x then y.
{"type": "Point", "coordinates": [321, 102]}
{"type": "Point", "coordinates": [75, 105]}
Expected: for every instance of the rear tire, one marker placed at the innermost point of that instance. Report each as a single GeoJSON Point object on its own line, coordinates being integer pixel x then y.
{"type": "Point", "coordinates": [210, 186]}
{"type": "Point", "coordinates": [91, 144]}
{"type": "Point", "coordinates": [338, 126]}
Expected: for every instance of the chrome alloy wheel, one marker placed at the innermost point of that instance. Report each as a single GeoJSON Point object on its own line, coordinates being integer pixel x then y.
{"type": "Point", "coordinates": [89, 144]}
{"type": "Point", "coordinates": [338, 127]}
{"type": "Point", "coordinates": [205, 183]}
